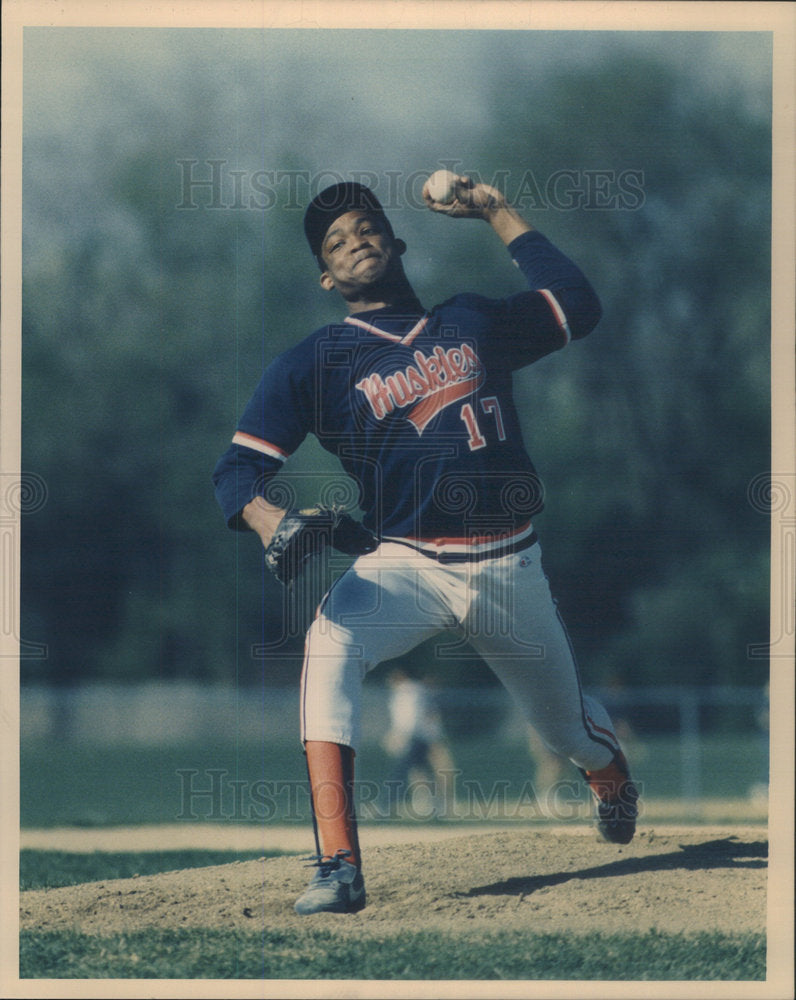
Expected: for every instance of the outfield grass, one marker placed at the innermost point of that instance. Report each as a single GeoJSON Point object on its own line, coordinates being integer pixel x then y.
{"type": "Point", "coordinates": [226, 954]}
{"type": "Point", "coordinates": [74, 784]}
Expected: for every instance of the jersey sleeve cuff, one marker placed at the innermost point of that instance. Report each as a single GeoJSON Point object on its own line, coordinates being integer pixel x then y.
{"type": "Point", "coordinates": [260, 445]}
{"type": "Point", "coordinates": [240, 475]}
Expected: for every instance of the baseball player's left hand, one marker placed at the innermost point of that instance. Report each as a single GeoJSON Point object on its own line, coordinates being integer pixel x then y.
{"type": "Point", "coordinates": [302, 534]}
{"type": "Point", "coordinates": [472, 201]}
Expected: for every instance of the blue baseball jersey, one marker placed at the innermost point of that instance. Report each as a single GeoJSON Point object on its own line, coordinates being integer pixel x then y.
{"type": "Point", "coordinates": [418, 406]}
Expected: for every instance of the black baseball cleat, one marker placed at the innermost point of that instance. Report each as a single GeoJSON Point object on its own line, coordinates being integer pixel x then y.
{"type": "Point", "coordinates": [617, 799]}
{"type": "Point", "coordinates": [337, 887]}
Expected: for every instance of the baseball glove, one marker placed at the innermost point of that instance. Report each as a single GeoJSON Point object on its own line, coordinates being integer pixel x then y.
{"type": "Point", "coordinates": [302, 534]}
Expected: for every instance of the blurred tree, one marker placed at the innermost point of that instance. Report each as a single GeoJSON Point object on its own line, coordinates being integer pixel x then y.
{"type": "Point", "coordinates": [656, 426]}
{"type": "Point", "coordinates": [146, 324]}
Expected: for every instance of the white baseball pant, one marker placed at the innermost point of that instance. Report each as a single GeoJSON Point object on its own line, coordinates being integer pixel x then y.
{"type": "Point", "coordinates": [394, 598]}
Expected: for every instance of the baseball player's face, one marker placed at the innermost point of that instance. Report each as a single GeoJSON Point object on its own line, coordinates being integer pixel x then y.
{"type": "Point", "coordinates": [358, 254]}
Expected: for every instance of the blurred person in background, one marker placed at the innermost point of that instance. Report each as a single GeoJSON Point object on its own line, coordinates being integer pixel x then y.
{"type": "Point", "coordinates": [416, 741]}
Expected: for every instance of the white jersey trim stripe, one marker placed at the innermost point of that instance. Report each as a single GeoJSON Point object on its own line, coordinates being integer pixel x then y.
{"type": "Point", "coordinates": [558, 312]}
{"type": "Point", "coordinates": [257, 444]}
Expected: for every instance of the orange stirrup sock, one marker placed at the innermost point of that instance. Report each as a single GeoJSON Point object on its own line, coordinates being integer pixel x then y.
{"type": "Point", "coordinates": [607, 782]}
{"type": "Point", "coordinates": [331, 772]}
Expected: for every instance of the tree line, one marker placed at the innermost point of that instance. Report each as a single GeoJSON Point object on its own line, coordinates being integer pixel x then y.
{"type": "Point", "coordinates": [146, 323]}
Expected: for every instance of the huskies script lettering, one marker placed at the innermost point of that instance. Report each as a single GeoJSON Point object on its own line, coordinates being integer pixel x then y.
{"type": "Point", "coordinates": [428, 386]}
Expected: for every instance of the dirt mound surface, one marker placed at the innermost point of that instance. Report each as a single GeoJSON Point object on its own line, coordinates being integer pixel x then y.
{"type": "Point", "coordinates": [686, 881]}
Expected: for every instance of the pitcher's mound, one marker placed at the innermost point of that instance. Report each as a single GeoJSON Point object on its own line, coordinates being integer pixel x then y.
{"type": "Point", "coordinates": [544, 881]}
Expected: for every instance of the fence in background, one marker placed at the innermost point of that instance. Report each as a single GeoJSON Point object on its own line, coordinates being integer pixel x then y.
{"type": "Point", "coordinates": [157, 714]}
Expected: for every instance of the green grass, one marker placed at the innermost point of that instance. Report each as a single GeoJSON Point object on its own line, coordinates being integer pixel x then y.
{"type": "Point", "coordinates": [72, 783]}
{"type": "Point", "coordinates": [316, 954]}
{"type": "Point", "coordinates": [53, 869]}
{"type": "Point", "coordinates": [308, 954]}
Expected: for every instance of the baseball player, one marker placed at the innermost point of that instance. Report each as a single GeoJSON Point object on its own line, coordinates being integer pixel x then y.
{"type": "Point", "coordinates": [415, 739]}
{"type": "Point", "coordinates": [417, 405]}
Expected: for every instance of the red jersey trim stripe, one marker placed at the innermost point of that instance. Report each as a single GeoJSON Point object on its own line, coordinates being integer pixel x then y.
{"type": "Point", "coordinates": [558, 312]}
{"type": "Point", "coordinates": [373, 329]}
{"type": "Point", "coordinates": [264, 447]}
{"type": "Point", "coordinates": [406, 339]}
{"type": "Point", "coordinates": [602, 731]}
{"type": "Point", "coordinates": [473, 543]}
{"type": "Point", "coordinates": [415, 330]}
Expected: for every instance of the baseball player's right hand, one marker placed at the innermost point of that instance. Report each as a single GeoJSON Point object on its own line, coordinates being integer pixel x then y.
{"type": "Point", "coordinates": [472, 201]}
{"type": "Point", "coordinates": [481, 201]}
{"type": "Point", "coordinates": [302, 534]}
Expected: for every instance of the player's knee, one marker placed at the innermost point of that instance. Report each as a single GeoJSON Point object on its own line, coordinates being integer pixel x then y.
{"type": "Point", "coordinates": [326, 638]}
{"type": "Point", "coordinates": [338, 647]}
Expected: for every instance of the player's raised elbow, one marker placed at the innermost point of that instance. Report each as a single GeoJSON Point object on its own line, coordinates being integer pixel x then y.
{"type": "Point", "coordinates": [583, 310]}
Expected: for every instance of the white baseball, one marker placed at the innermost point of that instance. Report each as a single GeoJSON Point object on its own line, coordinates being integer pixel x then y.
{"type": "Point", "coordinates": [442, 186]}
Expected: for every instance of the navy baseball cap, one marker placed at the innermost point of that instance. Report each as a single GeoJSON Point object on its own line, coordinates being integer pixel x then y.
{"type": "Point", "coordinates": [334, 201]}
